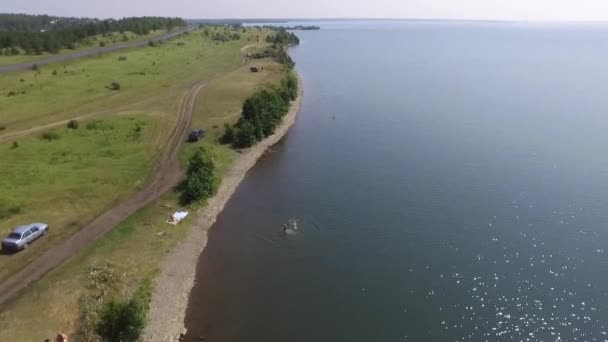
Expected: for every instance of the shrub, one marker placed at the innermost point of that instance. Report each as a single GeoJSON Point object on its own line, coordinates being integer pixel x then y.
{"type": "Point", "coordinates": [11, 93]}
{"type": "Point", "coordinates": [229, 135]}
{"type": "Point", "coordinates": [201, 182]}
{"type": "Point", "coordinates": [103, 281]}
{"type": "Point", "coordinates": [151, 43]}
{"type": "Point", "coordinates": [2, 128]}
{"type": "Point", "coordinates": [102, 43]}
{"type": "Point", "coordinates": [122, 58]}
{"type": "Point", "coordinates": [15, 145]}
{"type": "Point", "coordinates": [35, 67]}
{"type": "Point", "coordinates": [115, 86]}
{"type": "Point", "coordinates": [54, 72]}
{"type": "Point", "coordinates": [245, 135]}
{"type": "Point", "coordinates": [122, 320]}
{"type": "Point", "coordinates": [73, 124]}
{"type": "Point", "coordinates": [49, 136]}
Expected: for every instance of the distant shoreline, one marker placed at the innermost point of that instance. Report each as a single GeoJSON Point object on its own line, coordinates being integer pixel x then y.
{"type": "Point", "coordinates": [178, 272]}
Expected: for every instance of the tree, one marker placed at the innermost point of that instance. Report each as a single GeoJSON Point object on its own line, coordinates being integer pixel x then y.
{"type": "Point", "coordinates": [229, 135]}
{"type": "Point", "coordinates": [201, 182]}
{"type": "Point", "coordinates": [245, 135]}
{"type": "Point", "coordinates": [122, 320]}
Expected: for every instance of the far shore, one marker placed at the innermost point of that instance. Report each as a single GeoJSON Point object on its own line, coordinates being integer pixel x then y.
{"type": "Point", "coordinates": [178, 271]}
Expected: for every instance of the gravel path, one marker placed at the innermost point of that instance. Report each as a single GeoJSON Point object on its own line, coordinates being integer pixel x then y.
{"type": "Point", "coordinates": [177, 277]}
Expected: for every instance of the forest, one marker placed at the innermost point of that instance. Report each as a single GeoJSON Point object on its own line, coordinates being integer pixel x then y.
{"type": "Point", "coordinates": [36, 34]}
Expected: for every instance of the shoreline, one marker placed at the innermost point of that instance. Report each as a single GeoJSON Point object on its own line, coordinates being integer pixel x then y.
{"type": "Point", "coordinates": [174, 283]}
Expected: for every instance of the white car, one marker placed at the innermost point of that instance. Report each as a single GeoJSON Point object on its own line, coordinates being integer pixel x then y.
{"type": "Point", "coordinates": [22, 236]}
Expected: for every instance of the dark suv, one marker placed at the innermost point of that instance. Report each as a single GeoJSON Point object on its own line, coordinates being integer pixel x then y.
{"type": "Point", "coordinates": [196, 135]}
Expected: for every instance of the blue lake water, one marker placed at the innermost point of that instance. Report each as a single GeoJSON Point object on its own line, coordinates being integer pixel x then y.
{"type": "Point", "coordinates": [460, 193]}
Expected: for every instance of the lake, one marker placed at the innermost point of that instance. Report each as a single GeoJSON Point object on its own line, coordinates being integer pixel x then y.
{"type": "Point", "coordinates": [450, 181]}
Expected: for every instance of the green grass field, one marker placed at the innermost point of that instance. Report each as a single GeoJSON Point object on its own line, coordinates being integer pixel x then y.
{"type": "Point", "coordinates": [139, 244]}
{"type": "Point", "coordinates": [64, 90]}
{"type": "Point", "coordinates": [93, 42]}
{"type": "Point", "coordinates": [68, 181]}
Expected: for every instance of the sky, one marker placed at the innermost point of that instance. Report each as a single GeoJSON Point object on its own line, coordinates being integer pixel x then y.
{"type": "Point", "coordinates": [527, 10]}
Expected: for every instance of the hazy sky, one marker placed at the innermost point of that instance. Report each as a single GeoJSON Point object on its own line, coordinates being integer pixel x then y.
{"type": "Point", "coordinates": [535, 10]}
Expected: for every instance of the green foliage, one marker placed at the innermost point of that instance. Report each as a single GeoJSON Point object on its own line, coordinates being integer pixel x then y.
{"type": "Point", "coordinates": [36, 34]}
{"type": "Point", "coordinates": [49, 136]}
{"type": "Point", "coordinates": [14, 145]}
{"type": "Point", "coordinates": [229, 135]}
{"type": "Point", "coordinates": [201, 181]}
{"type": "Point", "coordinates": [245, 135]}
{"type": "Point", "coordinates": [124, 320]}
{"type": "Point", "coordinates": [102, 43]}
{"type": "Point", "coordinates": [262, 113]}
{"type": "Point", "coordinates": [282, 37]}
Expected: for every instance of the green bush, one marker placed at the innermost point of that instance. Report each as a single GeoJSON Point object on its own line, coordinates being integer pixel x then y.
{"type": "Point", "coordinates": [201, 181]}
{"type": "Point", "coordinates": [122, 321]}
{"type": "Point", "coordinates": [15, 145]}
{"type": "Point", "coordinates": [245, 135]}
{"type": "Point", "coordinates": [229, 135]}
{"type": "Point", "coordinates": [262, 113]}
{"type": "Point", "coordinates": [49, 136]}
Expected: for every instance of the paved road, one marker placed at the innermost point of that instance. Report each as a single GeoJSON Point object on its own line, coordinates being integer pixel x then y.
{"type": "Point", "coordinates": [86, 53]}
{"type": "Point", "coordinates": [168, 173]}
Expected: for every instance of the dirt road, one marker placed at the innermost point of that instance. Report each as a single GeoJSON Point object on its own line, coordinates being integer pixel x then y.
{"type": "Point", "coordinates": [167, 174]}
{"type": "Point", "coordinates": [86, 53]}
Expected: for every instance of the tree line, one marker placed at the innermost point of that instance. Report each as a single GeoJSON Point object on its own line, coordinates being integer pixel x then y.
{"type": "Point", "coordinates": [261, 114]}
{"type": "Point", "coordinates": [35, 34]}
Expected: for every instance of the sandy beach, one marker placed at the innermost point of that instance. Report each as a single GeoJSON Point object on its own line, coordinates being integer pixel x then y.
{"type": "Point", "coordinates": [178, 271]}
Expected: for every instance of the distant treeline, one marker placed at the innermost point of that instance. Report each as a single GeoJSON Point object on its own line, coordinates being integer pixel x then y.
{"type": "Point", "coordinates": [35, 34]}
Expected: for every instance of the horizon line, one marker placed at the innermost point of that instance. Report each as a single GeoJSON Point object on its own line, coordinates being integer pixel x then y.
{"type": "Point", "coordinates": [279, 19]}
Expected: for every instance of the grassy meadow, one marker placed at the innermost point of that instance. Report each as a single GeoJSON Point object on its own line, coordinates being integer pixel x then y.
{"type": "Point", "coordinates": [67, 177]}
{"type": "Point", "coordinates": [139, 244]}
{"type": "Point", "coordinates": [64, 90]}
{"type": "Point", "coordinates": [114, 38]}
